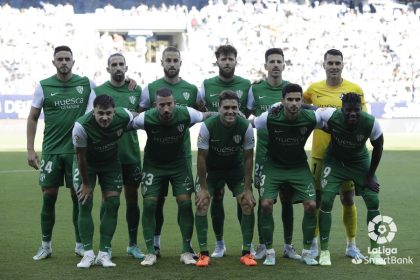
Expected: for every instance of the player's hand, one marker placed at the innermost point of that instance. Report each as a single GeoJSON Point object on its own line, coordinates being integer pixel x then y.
{"type": "Point", "coordinates": [83, 193]}
{"type": "Point", "coordinates": [371, 184]}
{"type": "Point", "coordinates": [131, 84]}
{"type": "Point", "coordinates": [202, 198]}
{"type": "Point", "coordinates": [33, 159]}
{"type": "Point", "coordinates": [248, 198]}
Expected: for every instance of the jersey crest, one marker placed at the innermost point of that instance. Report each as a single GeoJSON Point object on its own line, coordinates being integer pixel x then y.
{"type": "Point", "coordinates": [239, 93]}
{"type": "Point", "coordinates": [132, 99]}
{"type": "Point", "coordinates": [303, 130]}
{"type": "Point", "coordinates": [181, 127]}
{"type": "Point", "coordinates": [186, 95]}
{"type": "Point", "coordinates": [79, 89]}
{"type": "Point", "coordinates": [237, 138]}
{"type": "Point", "coordinates": [360, 137]}
{"type": "Point", "coordinates": [120, 132]}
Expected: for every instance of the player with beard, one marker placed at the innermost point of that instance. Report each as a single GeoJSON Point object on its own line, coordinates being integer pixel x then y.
{"type": "Point", "coordinates": [185, 94]}
{"type": "Point", "coordinates": [128, 146]}
{"type": "Point", "coordinates": [208, 96]}
{"type": "Point", "coordinates": [63, 97]}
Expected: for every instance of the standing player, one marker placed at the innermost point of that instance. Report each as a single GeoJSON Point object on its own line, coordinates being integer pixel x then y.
{"type": "Point", "coordinates": [128, 146]}
{"type": "Point", "coordinates": [348, 159]}
{"type": "Point", "coordinates": [225, 155]}
{"type": "Point", "coordinates": [63, 97]}
{"type": "Point", "coordinates": [165, 161]}
{"type": "Point", "coordinates": [261, 97]}
{"type": "Point", "coordinates": [95, 138]}
{"type": "Point", "coordinates": [208, 96]}
{"type": "Point", "coordinates": [185, 94]}
{"type": "Point", "coordinates": [286, 165]}
{"type": "Point", "coordinates": [328, 93]}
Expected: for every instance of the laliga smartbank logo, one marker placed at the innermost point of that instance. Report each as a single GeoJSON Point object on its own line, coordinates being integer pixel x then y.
{"type": "Point", "coordinates": [383, 229]}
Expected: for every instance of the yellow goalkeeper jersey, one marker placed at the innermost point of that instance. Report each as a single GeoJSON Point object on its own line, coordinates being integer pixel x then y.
{"type": "Point", "coordinates": [322, 95]}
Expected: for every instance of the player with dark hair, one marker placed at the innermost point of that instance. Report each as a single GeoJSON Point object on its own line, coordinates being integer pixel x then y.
{"type": "Point", "coordinates": [286, 166]}
{"type": "Point", "coordinates": [63, 97]}
{"type": "Point", "coordinates": [225, 155]}
{"type": "Point", "coordinates": [128, 145]}
{"type": "Point", "coordinates": [328, 93]}
{"type": "Point", "coordinates": [347, 158]}
{"type": "Point", "coordinates": [208, 97]}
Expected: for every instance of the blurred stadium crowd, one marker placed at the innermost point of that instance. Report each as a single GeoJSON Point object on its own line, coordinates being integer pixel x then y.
{"type": "Point", "coordinates": [379, 42]}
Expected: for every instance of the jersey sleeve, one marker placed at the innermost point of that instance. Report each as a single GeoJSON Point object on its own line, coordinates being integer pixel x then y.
{"type": "Point", "coordinates": [38, 100]}
{"type": "Point", "coordinates": [376, 131]}
{"type": "Point", "coordinates": [249, 140]}
{"type": "Point", "coordinates": [325, 113]}
{"type": "Point", "coordinates": [250, 105]}
{"type": "Point", "coordinates": [79, 136]}
{"type": "Point", "coordinates": [201, 94]}
{"type": "Point", "coordinates": [261, 121]}
{"type": "Point", "coordinates": [195, 116]}
{"type": "Point", "coordinates": [319, 121]}
{"type": "Point", "coordinates": [203, 137]}
{"type": "Point", "coordinates": [145, 98]}
{"type": "Point", "coordinates": [138, 121]}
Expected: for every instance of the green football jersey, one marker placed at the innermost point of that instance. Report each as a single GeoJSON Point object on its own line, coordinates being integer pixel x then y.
{"type": "Point", "coordinates": [165, 142]}
{"type": "Point", "coordinates": [286, 139]}
{"type": "Point", "coordinates": [64, 102]}
{"type": "Point", "coordinates": [262, 97]}
{"type": "Point", "coordinates": [225, 144]}
{"type": "Point", "coordinates": [349, 145]}
{"type": "Point", "coordinates": [212, 87]}
{"type": "Point", "coordinates": [183, 92]}
{"type": "Point", "coordinates": [102, 143]}
{"type": "Point", "coordinates": [128, 145]}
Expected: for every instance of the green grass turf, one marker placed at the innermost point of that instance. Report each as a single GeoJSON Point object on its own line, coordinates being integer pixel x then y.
{"type": "Point", "coordinates": [20, 202]}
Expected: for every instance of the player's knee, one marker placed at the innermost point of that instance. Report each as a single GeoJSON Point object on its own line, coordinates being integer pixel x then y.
{"type": "Point", "coordinates": [202, 209]}
{"type": "Point", "coordinates": [218, 195]}
{"type": "Point", "coordinates": [246, 208]}
{"type": "Point", "coordinates": [113, 202]}
{"type": "Point", "coordinates": [131, 194]}
{"type": "Point", "coordinates": [347, 198]}
{"type": "Point", "coordinates": [266, 206]}
{"type": "Point", "coordinates": [309, 206]}
{"type": "Point", "coordinates": [51, 192]}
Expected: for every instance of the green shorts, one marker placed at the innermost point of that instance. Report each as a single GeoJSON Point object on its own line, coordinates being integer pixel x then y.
{"type": "Point", "coordinates": [216, 179]}
{"type": "Point", "coordinates": [278, 177]}
{"type": "Point", "coordinates": [336, 172]}
{"type": "Point", "coordinates": [108, 174]}
{"type": "Point", "coordinates": [54, 169]}
{"type": "Point", "coordinates": [156, 177]}
{"type": "Point", "coordinates": [316, 169]}
{"type": "Point", "coordinates": [131, 174]}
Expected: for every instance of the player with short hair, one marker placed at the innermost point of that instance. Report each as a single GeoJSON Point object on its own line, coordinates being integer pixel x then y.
{"type": "Point", "coordinates": [128, 145]}
{"type": "Point", "coordinates": [225, 155]}
{"type": "Point", "coordinates": [286, 166]}
{"type": "Point", "coordinates": [185, 94]}
{"type": "Point", "coordinates": [347, 158]}
{"type": "Point", "coordinates": [328, 93]}
{"type": "Point", "coordinates": [165, 161]}
{"type": "Point", "coordinates": [208, 97]}
{"type": "Point", "coordinates": [63, 97]}
{"type": "Point", "coordinates": [95, 138]}
{"type": "Point", "coordinates": [261, 96]}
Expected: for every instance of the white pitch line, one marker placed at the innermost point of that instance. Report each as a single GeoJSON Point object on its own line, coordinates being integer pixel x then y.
{"type": "Point", "coordinates": [17, 171]}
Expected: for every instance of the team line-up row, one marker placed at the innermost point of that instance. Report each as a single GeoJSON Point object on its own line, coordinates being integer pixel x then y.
{"type": "Point", "coordinates": [105, 151]}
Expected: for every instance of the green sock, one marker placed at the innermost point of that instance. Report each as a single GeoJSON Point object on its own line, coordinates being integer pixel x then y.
{"type": "Point", "coordinates": [159, 215]}
{"type": "Point", "coordinates": [308, 228]}
{"type": "Point", "coordinates": [201, 226]}
{"type": "Point", "coordinates": [47, 216]}
{"type": "Point", "coordinates": [132, 215]}
{"type": "Point", "coordinates": [217, 218]}
{"type": "Point", "coordinates": [109, 222]}
{"type": "Point", "coordinates": [324, 228]}
{"type": "Point", "coordinates": [247, 227]}
{"type": "Point", "coordinates": [186, 223]}
{"type": "Point", "coordinates": [148, 221]}
{"type": "Point", "coordinates": [287, 218]}
{"type": "Point", "coordinates": [267, 228]}
{"type": "Point", "coordinates": [85, 222]}
{"type": "Point", "coordinates": [75, 217]}
{"type": "Point", "coordinates": [370, 215]}
{"type": "Point", "coordinates": [239, 212]}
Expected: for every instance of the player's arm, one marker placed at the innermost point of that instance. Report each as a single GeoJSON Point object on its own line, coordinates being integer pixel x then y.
{"type": "Point", "coordinates": [132, 84]}
{"type": "Point", "coordinates": [31, 127]}
{"type": "Point", "coordinates": [260, 122]}
{"type": "Point", "coordinates": [137, 122]}
{"type": "Point", "coordinates": [203, 150]}
{"type": "Point", "coordinates": [248, 162]}
{"type": "Point", "coordinates": [377, 141]}
{"type": "Point", "coordinates": [144, 99]}
{"type": "Point", "coordinates": [79, 137]}
{"type": "Point", "coordinates": [201, 102]}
